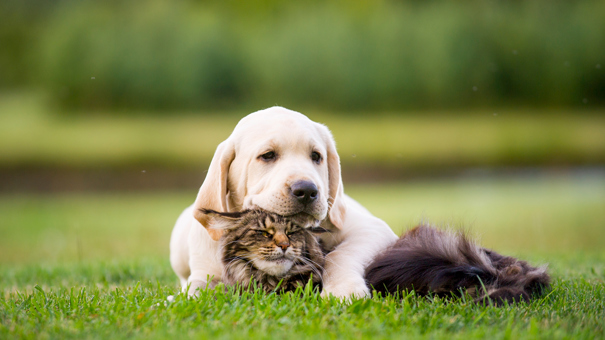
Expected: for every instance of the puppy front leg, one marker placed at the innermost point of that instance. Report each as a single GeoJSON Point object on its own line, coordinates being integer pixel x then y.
{"type": "Point", "coordinates": [343, 276]}
{"type": "Point", "coordinates": [204, 262]}
{"type": "Point", "coordinates": [364, 236]}
{"type": "Point", "coordinates": [199, 282]}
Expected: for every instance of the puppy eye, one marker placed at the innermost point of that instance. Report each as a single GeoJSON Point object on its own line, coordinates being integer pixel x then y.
{"type": "Point", "coordinates": [268, 156]}
{"type": "Point", "coordinates": [315, 157]}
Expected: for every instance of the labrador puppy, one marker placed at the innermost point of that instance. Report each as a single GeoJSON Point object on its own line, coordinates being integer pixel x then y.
{"type": "Point", "coordinates": [281, 161]}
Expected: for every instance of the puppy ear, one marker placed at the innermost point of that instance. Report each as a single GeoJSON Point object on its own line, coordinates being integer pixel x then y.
{"type": "Point", "coordinates": [213, 193]}
{"type": "Point", "coordinates": [336, 200]}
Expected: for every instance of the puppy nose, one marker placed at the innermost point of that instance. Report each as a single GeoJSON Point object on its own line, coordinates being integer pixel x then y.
{"type": "Point", "coordinates": [304, 191]}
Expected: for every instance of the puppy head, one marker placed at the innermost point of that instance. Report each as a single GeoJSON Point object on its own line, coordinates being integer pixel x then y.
{"type": "Point", "coordinates": [277, 160]}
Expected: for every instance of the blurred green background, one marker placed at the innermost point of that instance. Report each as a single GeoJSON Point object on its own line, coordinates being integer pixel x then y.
{"type": "Point", "coordinates": [488, 115]}
{"type": "Point", "coordinates": [331, 55]}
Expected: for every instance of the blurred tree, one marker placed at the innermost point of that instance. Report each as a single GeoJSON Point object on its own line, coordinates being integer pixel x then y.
{"type": "Point", "coordinates": [339, 55]}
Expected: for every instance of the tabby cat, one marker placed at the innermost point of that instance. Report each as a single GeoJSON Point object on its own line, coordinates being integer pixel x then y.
{"type": "Point", "coordinates": [274, 251]}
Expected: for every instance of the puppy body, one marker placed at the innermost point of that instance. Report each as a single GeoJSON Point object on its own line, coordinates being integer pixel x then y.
{"type": "Point", "coordinates": [268, 154]}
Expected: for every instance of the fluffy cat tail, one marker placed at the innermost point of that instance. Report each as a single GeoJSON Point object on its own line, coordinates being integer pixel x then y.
{"type": "Point", "coordinates": [430, 261]}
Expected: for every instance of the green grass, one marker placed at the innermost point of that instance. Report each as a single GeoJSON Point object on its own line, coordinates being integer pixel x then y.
{"type": "Point", "coordinates": [96, 266]}
{"type": "Point", "coordinates": [31, 135]}
{"type": "Point", "coordinates": [574, 309]}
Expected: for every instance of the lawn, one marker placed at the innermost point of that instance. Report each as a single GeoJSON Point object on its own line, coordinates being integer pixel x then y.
{"type": "Point", "coordinates": [96, 266]}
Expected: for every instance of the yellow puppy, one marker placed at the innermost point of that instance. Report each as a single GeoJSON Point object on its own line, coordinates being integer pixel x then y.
{"type": "Point", "coordinates": [280, 161]}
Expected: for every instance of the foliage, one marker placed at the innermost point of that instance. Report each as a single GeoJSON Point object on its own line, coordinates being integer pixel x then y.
{"type": "Point", "coordinates": [355, 55]}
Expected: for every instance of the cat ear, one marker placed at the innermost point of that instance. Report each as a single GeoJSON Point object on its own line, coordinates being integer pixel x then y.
{"type": "Point", "coordinates": [221, 220]}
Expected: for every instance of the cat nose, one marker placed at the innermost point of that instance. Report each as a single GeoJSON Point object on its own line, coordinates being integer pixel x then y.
{"type": "Point", "coordinates": [304, 191]}
{"type": "Point", "coordinates": [283, 245]}
{"type": "Point", "coordinates": [281, 240]}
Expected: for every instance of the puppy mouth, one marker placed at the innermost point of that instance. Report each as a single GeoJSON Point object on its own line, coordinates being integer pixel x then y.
{"type": "Point", "coordinates": [301, 214]}
{"type": "Point", "coordinates": [305, 218]}
{"type": "Point", "coordinates": [307, 213]}
{"type": "Point", "coordinates": [310, 210]}
{"type": "Point", "coordinates": [302, 211]}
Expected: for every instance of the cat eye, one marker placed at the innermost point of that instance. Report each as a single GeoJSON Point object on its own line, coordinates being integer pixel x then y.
{"type": "Point", "coordinates": [268, 156]}
{"type": "Point", "coordinates": [261, 232]}
{"type": "Point", "coordinates": [318, 230]}
{"type": "Point", "coordinates": [266, 234]}
{"type": "Point", "coordinates": [316, 157]}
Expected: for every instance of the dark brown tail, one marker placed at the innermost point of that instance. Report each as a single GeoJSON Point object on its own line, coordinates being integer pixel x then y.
{"type": "Point", "coordinates": [431, 261]}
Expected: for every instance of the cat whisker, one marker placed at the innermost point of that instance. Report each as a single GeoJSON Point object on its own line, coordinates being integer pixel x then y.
{"type": "Point", "coordinates": [314, 265]}
{"type": "Point", "coordinates": [234, 261]}
{"type": "Point", "coordinates": [222, 247]}
{"type": "Point", "coordinates": [332, 262]}
{"type": "Point", "coordinates": [315, 268]}
{"type": "Point", "coordinates": [231, 263]}
{"type": "Point", "coordinates": [316, 271]}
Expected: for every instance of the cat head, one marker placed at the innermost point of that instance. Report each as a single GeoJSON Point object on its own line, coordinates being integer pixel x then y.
{"type": "Point", "coordinates": [270, 242]}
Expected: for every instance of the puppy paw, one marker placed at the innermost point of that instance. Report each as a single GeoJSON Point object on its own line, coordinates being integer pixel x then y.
{"type": "Point", "coordinates": [346, 289]}
{"type": "Point", "coordinates": [194, 286]}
